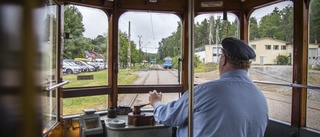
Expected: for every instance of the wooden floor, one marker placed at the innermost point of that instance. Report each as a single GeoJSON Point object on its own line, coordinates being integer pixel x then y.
{"type": "Point", "coordinates": [69, 131]}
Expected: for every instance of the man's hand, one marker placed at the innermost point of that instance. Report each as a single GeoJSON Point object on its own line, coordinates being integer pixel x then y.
{"type": "Point", "coordinates": [154, 97]}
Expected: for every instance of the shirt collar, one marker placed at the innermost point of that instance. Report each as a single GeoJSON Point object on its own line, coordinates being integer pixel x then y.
{"type": "Point", "coordinates": [235, 72]}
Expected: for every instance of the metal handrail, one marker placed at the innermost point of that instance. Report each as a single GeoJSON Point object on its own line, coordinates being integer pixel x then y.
{"type": "Point", "coordinates": [56, 86]}
{"type": "Point", "coordinates": [288, 84]}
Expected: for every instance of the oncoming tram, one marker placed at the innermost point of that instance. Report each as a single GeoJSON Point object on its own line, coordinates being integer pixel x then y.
{"type": "Point", "coordinates": [167, 62]}
{"type": "Point", "coordinates": [39, 99]}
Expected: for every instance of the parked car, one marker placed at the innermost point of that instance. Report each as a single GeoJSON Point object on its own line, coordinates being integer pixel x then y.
{"type": "Point", "coordinates": [70, 69]}
{"type": "Point", "coordinates": [96, 66]}
{"type": "Point", "coordinates": [83, 67]}
{"type": "Point", "coordinates": [89, 67]}
{"type": "Point", "coordinates": [101, 63]}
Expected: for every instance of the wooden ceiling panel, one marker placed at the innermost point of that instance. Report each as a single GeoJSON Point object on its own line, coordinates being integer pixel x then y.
{"type": "Point", "coordinates": [154, 5]}
{"type": "Point", "coordinates": [101, 4]}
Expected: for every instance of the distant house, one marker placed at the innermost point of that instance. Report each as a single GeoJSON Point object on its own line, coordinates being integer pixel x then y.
{"type": "Point", "coordinates": [212, 53]}
{"type": "Point", "coordinates": [88, 55]}
{"type": "Point", "coordinates": [313, 52]}
{"type": "Point", "coordinates": [267, 50]}
{"type": "Point", "coordinates": [95, 55]}
{"type": "Point", "coordinates": [201, 55]}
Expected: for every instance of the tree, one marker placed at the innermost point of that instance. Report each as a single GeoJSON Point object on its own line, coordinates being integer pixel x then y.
{"type": "Point", "coordinates": [270, 25]}
{"type": "Point", "coordinates": [100, 45]}
{"type": "Point", "coordinates": [123, 50]}
{"type": "Point", "coordinates": [73, 21]}
{"type": "Point", "coordinates": [254, 28]}
{"type": "Point", "coordinates": [314, 21]}
{"type": "Point", "coordinates": [171, 45]}
{"type": "Point", "coordinates": [73, 24]}
{"type": "Point", "coordinates": [287, 23]}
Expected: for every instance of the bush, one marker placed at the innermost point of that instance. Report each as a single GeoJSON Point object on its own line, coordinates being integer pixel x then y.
{"type": "Point", "coordinates": [206, 67]}
{"type": "Point", "coordinates": [282, 60]}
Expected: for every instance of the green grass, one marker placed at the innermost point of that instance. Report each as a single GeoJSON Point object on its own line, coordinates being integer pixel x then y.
{"type": "Point", "coordinates": [76, 105]}
{"type": "Point", "coordinates": [99, 79]}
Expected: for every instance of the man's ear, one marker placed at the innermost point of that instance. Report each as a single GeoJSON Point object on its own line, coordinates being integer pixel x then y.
{"type": "Point", "coordinates": [224, 61]}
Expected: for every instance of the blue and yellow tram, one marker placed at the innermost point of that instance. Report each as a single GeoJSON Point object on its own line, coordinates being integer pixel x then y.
{"type": "Point", "coordinates": [167, 62]}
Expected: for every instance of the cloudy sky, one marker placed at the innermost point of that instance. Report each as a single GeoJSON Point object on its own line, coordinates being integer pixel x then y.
{"type": "Point", "coordinates": [151, 27]}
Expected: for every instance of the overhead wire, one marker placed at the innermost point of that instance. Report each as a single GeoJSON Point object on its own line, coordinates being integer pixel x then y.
{"type": "Point", "coordinates": [152, 29]}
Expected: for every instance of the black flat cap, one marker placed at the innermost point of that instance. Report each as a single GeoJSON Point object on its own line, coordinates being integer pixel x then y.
{"type": "Point", "coordinates": [236, 48]}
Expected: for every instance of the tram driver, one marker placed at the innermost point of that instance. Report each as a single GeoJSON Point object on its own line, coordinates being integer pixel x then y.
{"type": "Point", "coordinates": [232, 106]}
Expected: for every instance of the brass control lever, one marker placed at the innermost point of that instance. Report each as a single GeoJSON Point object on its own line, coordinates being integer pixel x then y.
{"type": "Point", "coordinates": [137, 109]}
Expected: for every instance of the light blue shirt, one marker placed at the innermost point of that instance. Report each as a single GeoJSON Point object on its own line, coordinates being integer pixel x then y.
{"type": "Point", "coordinates": [232, 106]}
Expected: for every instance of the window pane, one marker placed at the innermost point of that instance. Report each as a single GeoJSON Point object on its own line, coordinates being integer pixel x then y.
{"type": "Point", "coordinates": [85, 56]}
{"type": "Point", "coordinates": [313, 111]}
{"type": "Point", "coordinates": [270, 27]}
{"type": "Point", "coordinates": [76, 105]}
{"type": "Point", "coordinates": [208, 45]}
{"type": "Point", "coordinates": [149, 49]}
{"type": "Point", "coordinates": [49, 64]}
{"type": "Point", "coordinates": [85, 47]}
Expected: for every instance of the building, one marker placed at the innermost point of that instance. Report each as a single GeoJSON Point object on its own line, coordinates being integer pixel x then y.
{"type": "Point", "coordinates": [267, 50]}
{"type": "Point", "coordinates": [212, 53]}
{"type": "Point", "coordinates": [313, 53]}
{"type": "Point", "coordinates": [201, 55]}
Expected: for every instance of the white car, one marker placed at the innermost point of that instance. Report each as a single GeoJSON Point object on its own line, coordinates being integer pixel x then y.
{"type": "Point", "coordinates": [70, 69]}
{"type": "Point", "coordinates": [89, 67]}
{"type": "Point", "coordinates": [101, 64]}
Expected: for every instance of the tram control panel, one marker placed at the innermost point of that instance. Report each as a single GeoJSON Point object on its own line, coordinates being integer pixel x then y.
{"type": "Point", "coordinates": [90, 124]}
{"type": "Point", "coordinates": [134, 124]}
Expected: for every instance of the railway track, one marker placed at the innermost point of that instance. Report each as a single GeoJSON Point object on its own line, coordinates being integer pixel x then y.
{"type": "Point", "coordinates": [154, 67]}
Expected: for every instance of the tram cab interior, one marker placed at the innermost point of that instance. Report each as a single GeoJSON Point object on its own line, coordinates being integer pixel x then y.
{"type": "Point", "coordinates": [45, 93]}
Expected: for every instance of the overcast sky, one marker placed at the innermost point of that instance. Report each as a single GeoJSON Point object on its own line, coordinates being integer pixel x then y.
{"type": "Point", "coordinates": [151, 27]}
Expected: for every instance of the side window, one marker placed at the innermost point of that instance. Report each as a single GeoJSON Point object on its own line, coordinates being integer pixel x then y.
{"type": "Point", "coordinates": [253, 47]}
{"type": "Point", "coordinates": [272, 64]}
{"type": "Point", "coordinates": [268, 47]}
{"type": "Point", "coordinates": [283, 47]}
{"type": "Point", "coordinates": [49, 66]}
{"type": "Point", "coordinates": [313, 100]}
{"type": "Point", "coordinates": [85, 56]}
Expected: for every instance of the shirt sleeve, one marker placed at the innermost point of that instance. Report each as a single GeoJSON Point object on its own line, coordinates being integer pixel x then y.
{"type": "Point", "coordinates": [174, 113]}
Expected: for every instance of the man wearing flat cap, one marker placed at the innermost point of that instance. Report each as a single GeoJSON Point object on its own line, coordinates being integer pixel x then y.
{"type": "Point", "coordinates": [232, 106]}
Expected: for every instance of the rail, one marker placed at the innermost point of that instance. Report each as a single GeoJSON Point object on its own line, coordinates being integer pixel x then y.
{"type": "Point", "coordinates": [287, 84]}
{"type": "Point", "coordinates": [55, 86]}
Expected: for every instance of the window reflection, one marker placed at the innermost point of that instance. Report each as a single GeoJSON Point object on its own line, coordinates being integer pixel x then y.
{"type": "Point", "coordinates": [49, 64]}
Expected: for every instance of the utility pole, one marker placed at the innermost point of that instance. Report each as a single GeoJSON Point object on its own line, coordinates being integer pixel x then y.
{"type": "Point", "coordinates": [217, 39]}
{"type": "Point", "coordinates": [139, 49]}
{"type": "Point", "coordinates": [210, 38]}
{"type": "Point", "coordinates": [129, 52]}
